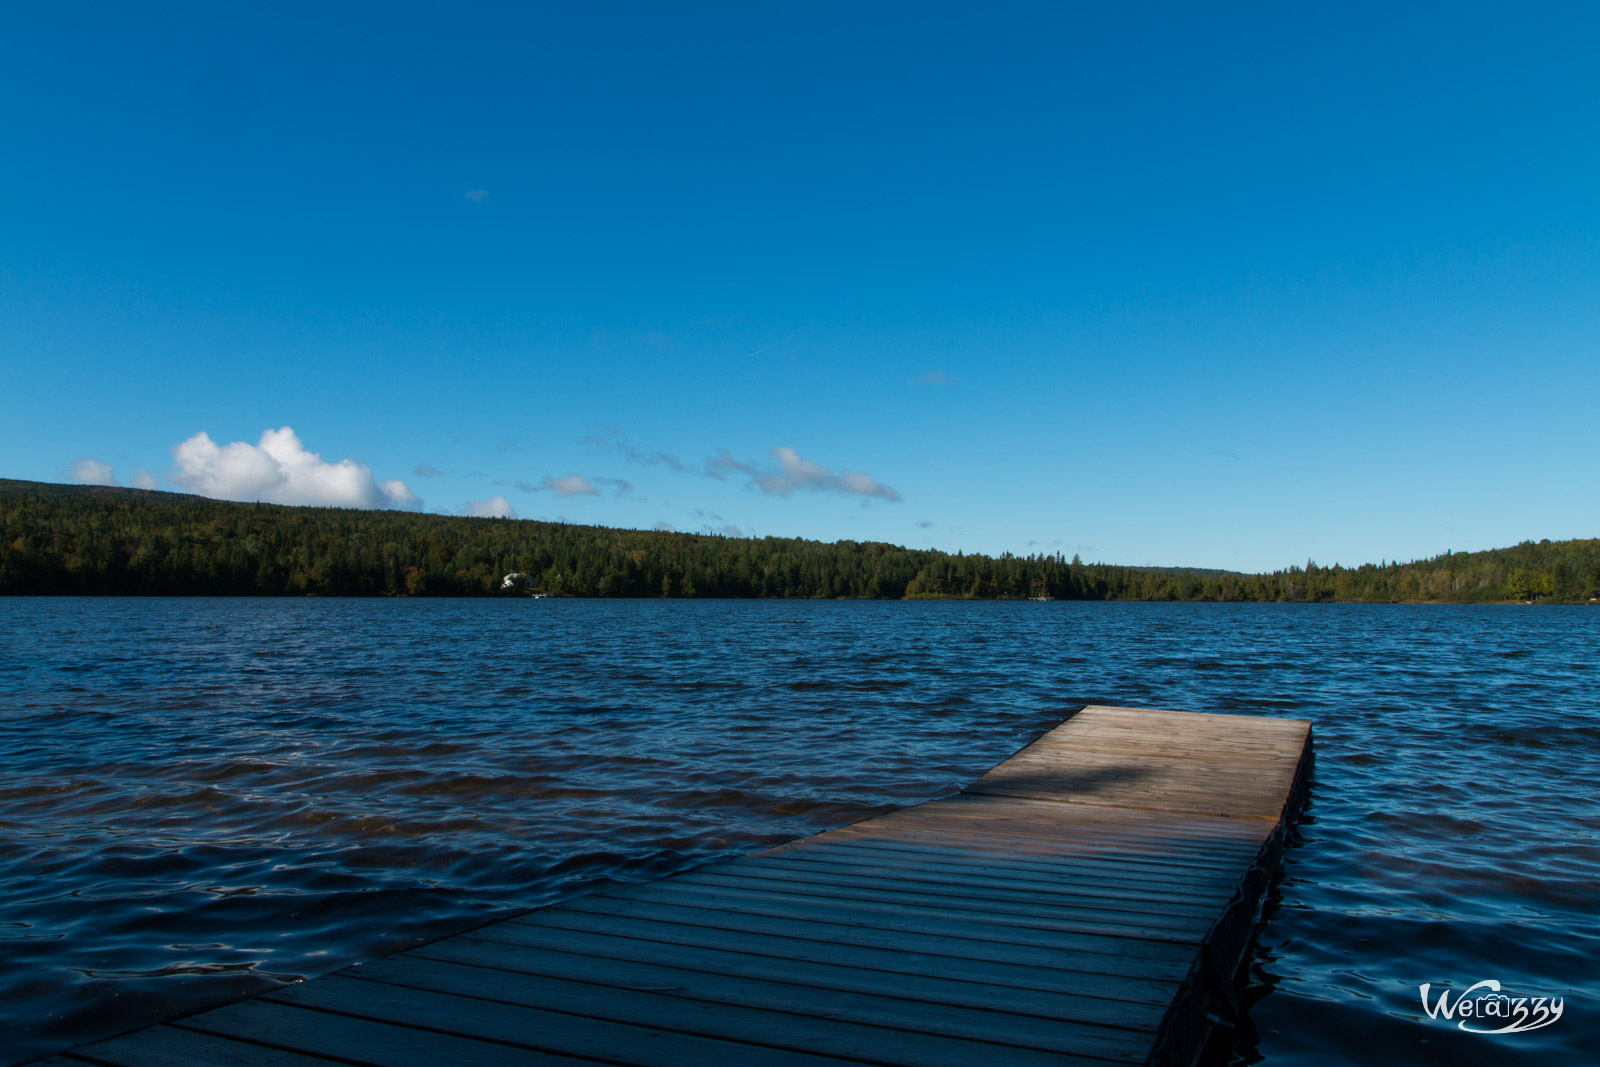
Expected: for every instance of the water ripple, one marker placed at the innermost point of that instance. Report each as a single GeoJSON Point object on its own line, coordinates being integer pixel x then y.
{"type": "Point", "coordinates": [206, 798]}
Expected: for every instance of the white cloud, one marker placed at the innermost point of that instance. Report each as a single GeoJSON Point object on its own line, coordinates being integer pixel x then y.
{"type": "Point", "coordinates": [281, 470]}
{"type": "Point", "coordinates": [428, 470]}
{"type": "Point", "coordinates": [496, 507]}
{"type": "Point", "coordinates": [143, 479]}
{"type": "Point", "coordinates": [92, 472]}
{"type": "Point", "coordinates": [666, 527]}
{"type": "Point", "coordinates": [731, 530]}
{"type": "Point", "coordinates": [396, 491]}
{"type": "Point", "coordinates": [571, 485]}
{"type": "Point", "coordinates": [787, 472]}
{"type": "Point", "coordinates": [477, 195]}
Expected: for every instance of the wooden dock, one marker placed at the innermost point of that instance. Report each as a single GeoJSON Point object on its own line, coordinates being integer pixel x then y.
{"type": "Point", "coordinates": [1089, 900]}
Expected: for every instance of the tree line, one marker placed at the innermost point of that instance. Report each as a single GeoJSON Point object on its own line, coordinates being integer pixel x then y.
{"type": "Point", "coordinates": [95, 540]}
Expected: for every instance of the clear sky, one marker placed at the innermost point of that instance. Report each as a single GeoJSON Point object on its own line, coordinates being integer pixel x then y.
{"type": "Point", "coordinates": [1226, 286]}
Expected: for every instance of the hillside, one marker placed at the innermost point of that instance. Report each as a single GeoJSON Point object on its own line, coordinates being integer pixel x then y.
{"type": "Point", "coordinates": [96, 540]}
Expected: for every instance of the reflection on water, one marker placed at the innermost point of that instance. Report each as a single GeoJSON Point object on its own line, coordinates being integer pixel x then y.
{"type": "Point", "coordinates": [207, 797]}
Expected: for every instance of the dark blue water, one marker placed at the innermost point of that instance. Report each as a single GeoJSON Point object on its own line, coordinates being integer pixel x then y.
{"type": "Point", "coordinates": [208, 797]}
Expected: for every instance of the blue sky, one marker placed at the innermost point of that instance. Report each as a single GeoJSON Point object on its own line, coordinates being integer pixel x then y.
{"type": "Point", "coordinates": [1225, 287]}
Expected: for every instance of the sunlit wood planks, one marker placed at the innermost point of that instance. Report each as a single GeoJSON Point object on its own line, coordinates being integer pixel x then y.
{"type": "Point", "coordinates": [1089, 900]}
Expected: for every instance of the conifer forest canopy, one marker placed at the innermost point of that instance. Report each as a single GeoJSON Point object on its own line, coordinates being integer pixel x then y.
{"type": "Point", "coordinates": [95, 540]}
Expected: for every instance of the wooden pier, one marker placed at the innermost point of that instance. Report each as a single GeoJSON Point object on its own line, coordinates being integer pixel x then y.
{"type": "Point", "coordinates": [1089, 900]}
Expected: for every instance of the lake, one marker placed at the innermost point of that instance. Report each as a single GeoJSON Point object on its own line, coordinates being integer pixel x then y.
{"type": "Point", "coordinates": [205, 798]}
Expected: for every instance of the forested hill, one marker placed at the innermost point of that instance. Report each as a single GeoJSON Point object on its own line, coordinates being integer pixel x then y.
{"type": "Point", "coordinates": [98, 540]}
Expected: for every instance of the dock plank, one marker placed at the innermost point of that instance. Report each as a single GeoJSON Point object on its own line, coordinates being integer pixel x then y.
{"type": "Point", "coordinates": [991, 886]}
{"type": "Point", "coordinates": [962, 867]}
{"type": "Point", "coordinates": [666, 1030]}
{"type": "Point", "coordinates": [1090, 955]}
{"type": "Point", "coordinates": [169, 1046]}
{"type": "Point", "coordinates": [943, 897]}
{"type": "Point", "coordinates": [360, 1040]}
{"type": "Point", "coordinates": [544, 1017]}
{"type": "Point", "coordinates": [1086, 901]}
{"type": "Point", "coordinates": [939, 849]}
{"type": "Point", "coordinates": [794, 1004]}
{"type": "Point", "coordinates": [946, 982]}
{"type": "Point", "coordinates": [1142, 942]}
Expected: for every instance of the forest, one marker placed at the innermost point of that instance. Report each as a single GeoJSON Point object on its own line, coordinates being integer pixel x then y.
{"type": "Point", "coordinates": [96, 540]}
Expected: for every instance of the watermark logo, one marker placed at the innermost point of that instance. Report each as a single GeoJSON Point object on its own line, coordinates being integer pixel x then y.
{"type": "Point", "coordinates": [1483, 1009]}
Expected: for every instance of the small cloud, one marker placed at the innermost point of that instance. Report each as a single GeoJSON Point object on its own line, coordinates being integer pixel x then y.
{"type": "Point", "coordinates": [925, 524]}
{"type": "Point", "coordinates": [619, 486]}
{"type": "Point", "coordinates": [477, 195]}
{"type": "Point", "coordinates": [401, 497]}
{"type": "Point", "coordinates": [428, 470]}
{"type": "Point", "coordinates": [571, 485]}
{"type": "Point", "coordinates": [787, 472]}
{"type": "Point", "coordinates": [92, 472]}
{"type": "Point", "coordinates": [496, 507]}
{"type": "Point", "coordinates": [611, 439]}
{"type": "Point", "coordinates": [731, 530]}
{"type": "Point", "coordinates": [666, 527]}
{"type": "Point", "coordinates": [1223, 453]}
{"type": "Point", "coordinates": [933, 377]}
{"type": "Point", "coordinates": [396, 491]}
{"type": "Point", "coordinates": [143, 479]}
{"type": "Point", "coordinates": [281, 470]}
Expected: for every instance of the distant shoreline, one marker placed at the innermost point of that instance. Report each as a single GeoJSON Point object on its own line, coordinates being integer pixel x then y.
{"type": "Point", "coordinates": [6, 595]}
{"type": "Point", "coordinates": [106, 541]}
